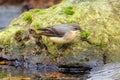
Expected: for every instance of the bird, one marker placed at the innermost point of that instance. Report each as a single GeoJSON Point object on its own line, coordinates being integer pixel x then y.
{"type": "Point", "coordinates": [61, 33]}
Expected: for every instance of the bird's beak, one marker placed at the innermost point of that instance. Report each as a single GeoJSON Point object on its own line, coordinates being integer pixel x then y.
{"type": "Point", "coordinates": [78, 28]}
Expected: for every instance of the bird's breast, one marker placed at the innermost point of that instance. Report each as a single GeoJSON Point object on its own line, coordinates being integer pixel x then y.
{"type": "Point", "coordinates": [58, 39]}
{"type": "Point", "coordinates": [68, 37]}
{"type": "Point", "coordinates": [71, 35]}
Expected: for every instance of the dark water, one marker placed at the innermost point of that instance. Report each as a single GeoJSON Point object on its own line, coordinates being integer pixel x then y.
{"type": "Point", "coordinates": [18, 73]}
{"type": "Point", "coordinates": [19, 69]}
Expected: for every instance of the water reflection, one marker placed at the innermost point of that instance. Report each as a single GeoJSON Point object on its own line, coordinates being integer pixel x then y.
{"type": "Point", "coordinates": [8, 71]}
{"type": "Point", "coordinates": [19, 73]}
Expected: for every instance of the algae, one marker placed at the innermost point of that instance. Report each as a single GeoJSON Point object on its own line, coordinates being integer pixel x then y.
{"type": "Point", "coordinates": [99, 19]}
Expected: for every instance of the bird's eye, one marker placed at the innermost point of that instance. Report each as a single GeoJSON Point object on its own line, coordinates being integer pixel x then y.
{"type": "Point", "coordinates": [77, 28]}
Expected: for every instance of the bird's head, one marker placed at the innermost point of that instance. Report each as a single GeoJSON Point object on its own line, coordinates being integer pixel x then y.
{"type": "Point", "coordinates": [75, 27]}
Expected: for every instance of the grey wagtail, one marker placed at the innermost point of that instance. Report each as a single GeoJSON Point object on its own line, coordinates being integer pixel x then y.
{"type": "Point", "coordinates": [62, 33]}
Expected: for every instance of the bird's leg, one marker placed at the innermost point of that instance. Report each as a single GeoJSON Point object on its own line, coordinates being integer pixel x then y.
{"type": "Point", "coordinates": [59, 57]}
{"type": "Point", "coordinates": [105, 57]}
{"type": "Point", "coordinates": [67, 46]}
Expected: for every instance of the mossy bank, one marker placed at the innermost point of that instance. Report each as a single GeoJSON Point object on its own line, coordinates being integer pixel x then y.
{"type": "Point", "coordinates": [99, 38]}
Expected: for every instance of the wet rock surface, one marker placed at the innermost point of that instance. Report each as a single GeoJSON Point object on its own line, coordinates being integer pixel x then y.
{"type": "Point", "coordinates": [110, 71]}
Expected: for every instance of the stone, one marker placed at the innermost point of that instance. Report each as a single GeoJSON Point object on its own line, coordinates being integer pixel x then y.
{"type": "Point", "coordinates": [99, 20]}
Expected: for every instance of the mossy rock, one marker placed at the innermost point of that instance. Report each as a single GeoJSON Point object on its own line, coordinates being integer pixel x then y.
{"type": "Point", "coordinates": [99, 19]}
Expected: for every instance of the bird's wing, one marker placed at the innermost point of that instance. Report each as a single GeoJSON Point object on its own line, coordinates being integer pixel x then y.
{"type": "Point", "coordinates": [62, 28]}
{"type": "Point", "coordinates": [50, 32]}
{"type": "Point", "coordinates": [56, 31]}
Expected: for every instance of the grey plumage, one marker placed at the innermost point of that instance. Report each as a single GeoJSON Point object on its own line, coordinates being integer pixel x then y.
{"type": "Point", "coordinates": [59, 30]}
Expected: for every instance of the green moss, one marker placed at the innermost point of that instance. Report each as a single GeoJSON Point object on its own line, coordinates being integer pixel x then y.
{"type": "Point", "coordinates": [28, 17]}
{"type": "Point", "coordinates": [37, 25]}
{"type": "Point", "coordinates": [69, 10]}
{"type": "Point", "coordinates": [69, 7]}
{"type": "Point", "coordinates": [102, 45]}
{"type": "Point", "coordinates": [3, 74]}
{"type": "Point", "coordinates": [85, 35]}
{"type": "Point", "coordinates": [98, 18]}
{"type": "Point", "coordinates": [36, 10]}
{"type": "Point", "coordinates": [6, 43]}
{"type": "Point", "coordinates": [71, 22]}
{"type": "Point", "coordinates": [81, 60]}
{"type": "Point", "coordinates": [42, 12]}
{"type": "Point", "coordinates": [55, 6]}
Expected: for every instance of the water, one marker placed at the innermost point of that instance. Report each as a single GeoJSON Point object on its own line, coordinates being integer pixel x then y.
{"type": "Point", "coordinates": [16, 69]}
{"type": "Point", "coordinates": [7, 14]}
{"type": "Point", "coordinates": [110, 71]}
{"type": "Point", "coordinates": [18, 73]}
